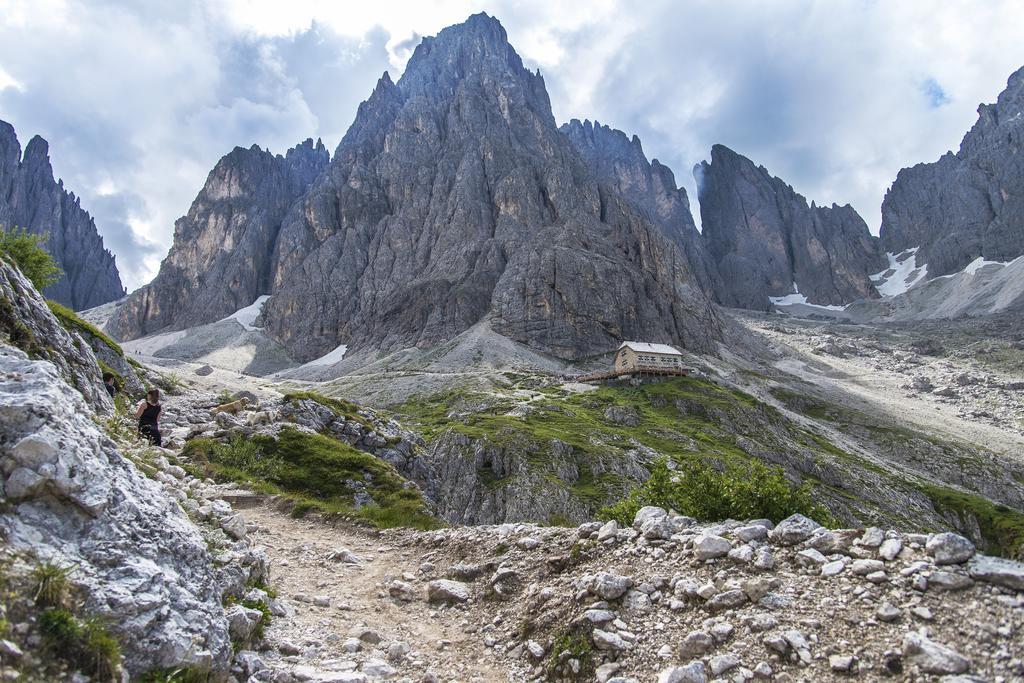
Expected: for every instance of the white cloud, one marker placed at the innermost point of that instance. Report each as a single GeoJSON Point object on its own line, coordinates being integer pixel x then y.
{"type": "Point", "coordinates": [139, 100]}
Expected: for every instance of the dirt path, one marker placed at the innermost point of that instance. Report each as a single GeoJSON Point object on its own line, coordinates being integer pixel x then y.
{"type": "Point", "coordinates": [441, 640]}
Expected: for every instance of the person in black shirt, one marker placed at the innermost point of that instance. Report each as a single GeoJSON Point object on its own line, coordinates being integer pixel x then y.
{"type": "Point", "coordinates": [148, 412]}
{"type": "Point", "coordinates": [108, 384]}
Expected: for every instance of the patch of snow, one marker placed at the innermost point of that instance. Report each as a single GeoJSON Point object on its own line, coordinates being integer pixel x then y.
{"type": "Point", "coordinates": [246, 317]}
{"type": "Point", "coordinates": [905, 274]}
{"type": "Point", "coordinates": [974, 266]}
{"type": "Point", "coordinates": [331, 358]}
{"type": "Point", "coordinates": [980, 262]}
{"type": "Point", "coordinates": [644, 347]}
{"type": "Point", "coordinates": [797, 298]}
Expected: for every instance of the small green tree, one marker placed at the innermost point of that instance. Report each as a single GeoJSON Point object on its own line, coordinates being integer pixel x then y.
{"type": "Point", "coordinates": [739, 491]}
{"type": "Point", "coordinates": [24, 249]}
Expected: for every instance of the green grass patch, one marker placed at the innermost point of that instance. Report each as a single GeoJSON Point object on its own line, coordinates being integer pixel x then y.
{"type": "Point", "coordinates": [1001, 527]}
{"type": "Point", "coordinates": [86, 644]}
{"type": "Point", "coordinates": [70, 320]}
{"type": "Point", "coordinates": [318, 473]}
{"type": "Point", "coordinates": [685, 419]}
{"type": "Point", "coordinates": [578, 646]}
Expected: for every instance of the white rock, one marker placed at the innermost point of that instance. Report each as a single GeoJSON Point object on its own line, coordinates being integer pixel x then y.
{"type": "Point", "coordinates": [872, 538]}
{"type": "Point", "coordinates": [833, 568]}
{"type": "Point", "coordinates": [793, 530]}
{"type": "Point", "coordinates": [647, 513]}
{"type": "Point", "coordinates": [810, 557]}
{"type": "Point", "coordinates": [610, 586]}
{"type": "Point", "coordinates": [1006, 573]}
{"type": "Point", "coordinates": [742, 555]}
{"type": "Point", "coordinates": [932, 657]}
{"type": "Point", "coordinates": [447, 591]}
{"type": "Point", "coordinates": [609, 641]}
{"type": "Point", "coordinates": [840, 662]}
{"type": "Point", "coordinates": [610, 528]}
{"type": "Point", "coordinates": [949, 548]}
{"type": "Point", "coordinates": [722, 663]}
{"type": "Point", "coordinates": [755, 532]}
{"type": "Point", "coordinates": [709, 546]}
{"type": "Point", "coordinates": [865, 567]}
{"type": "Point", "coordinates": [890, 548]}
{"type": "Point", "coordinates": [401, 590]}
{"type": "Point", "coordinates": [378, 668]}
{"type": "Point", "coordinates": [694, 672]}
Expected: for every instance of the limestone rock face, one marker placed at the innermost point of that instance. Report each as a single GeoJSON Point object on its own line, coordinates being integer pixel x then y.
{"type": "Point", "coordinates": [767, 242]}
{"type": "Point", "coordinates": [967, 204]}
{"type": "Point", "coordinates": [28, 323]}
{"type": "Point", "coordinates": [30, 198]}
{"type": "Point", "coordinates": [473, 481]}
{"type": "Point", "coordinates": [70, 497]}
{"type": "Point", "coordinates": [221, 256]}
{"type": "Point", "coordinates": [619, 163]}
{"type": "Point", "coordinates": [454, 198]}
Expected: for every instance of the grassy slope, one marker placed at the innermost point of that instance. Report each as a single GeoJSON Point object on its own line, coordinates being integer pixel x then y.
{"type": "Point", "coordinates": [684, 418]}
{"type": "Point", "coordinates": [315, 471]}
{"type": "Point", "coordinates": [1002, 527]}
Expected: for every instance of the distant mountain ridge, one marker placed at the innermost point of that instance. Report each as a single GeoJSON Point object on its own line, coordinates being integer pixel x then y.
{"type": "Point", "coordinates": [30, 198]}
{"type": "Point", "coordinates": [969, 204]}
{"type": "Point", "coordinates": [453, 198]}
{"type": "Point", "coordinates": [222, 253]}
{"type": "Point", "coordinates": [768, 242]}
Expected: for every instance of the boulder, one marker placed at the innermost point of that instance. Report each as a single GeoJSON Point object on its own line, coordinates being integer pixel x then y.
{"type": "Point", "coordinates": [932, 657]}
{"type": "Point", "coordinates": [949, 548]}
{"type": "Point", "coordinates": [794, 529]}
{"type": "Point", "coordinates": [447, 591]}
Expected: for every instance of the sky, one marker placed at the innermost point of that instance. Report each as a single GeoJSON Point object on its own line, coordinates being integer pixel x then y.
{"type": "Point", "coordinates": [139, 100]}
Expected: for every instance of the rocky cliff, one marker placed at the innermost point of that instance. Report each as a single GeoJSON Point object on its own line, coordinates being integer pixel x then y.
{"type": "Point", "coordinates": [220, 260]}
{"type": "Point", "coordinates": [453, 198]}
{"type": "Point", "coordinates": [27, 323]}
{"type": "Point", "coordinates": [30, 198]}
{"type": "Point", "coordinates": [106, 515]}
{"type": "Point", "coordinates": [619, 163]}
{"type": "Point", "coordinates": [767, 241]}
{"type": "Point", "coordinates": [969, 204]}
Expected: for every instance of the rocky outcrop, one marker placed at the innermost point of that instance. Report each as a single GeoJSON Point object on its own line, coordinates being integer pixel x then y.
{"type": "Point", "coordinates": [28, 324]}
{"type": "Point", "coordinates": [452, 199]}
{"type": "Point", "coordinates": [70, 498]}
{"type": "Point", "coordinates": [969, 204]}
{"type": "Point", "coordinates": [220, 261]}
{"type": "Point", "coordinates": [484, 481]}
{"type": "Point", "coordinates": [619, 163]}
{"type": "Point", "coordinates": [767, 242]}
{"type": "Point", "coordinates": [30, 198]}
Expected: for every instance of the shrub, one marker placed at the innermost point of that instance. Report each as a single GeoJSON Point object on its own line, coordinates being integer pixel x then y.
{"type": "Point", "coordinates": [24, 249]}
{"type": "Point", "coordinates": [51, 587]}
{"type": "Point", "coordinates": [697, 489]}
{"type": "Point", "coordinates": [169, 383]}
{"type": "Point", "coordinates": [85, 644]}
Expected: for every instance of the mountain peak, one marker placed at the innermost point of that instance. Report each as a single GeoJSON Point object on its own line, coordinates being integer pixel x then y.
{"type": "Point", "coordinates": [478, 47]}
